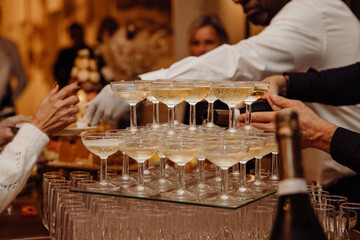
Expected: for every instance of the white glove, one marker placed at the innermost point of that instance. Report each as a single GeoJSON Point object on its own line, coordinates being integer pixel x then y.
{"type": "Point", "coordinates": [105, 106]}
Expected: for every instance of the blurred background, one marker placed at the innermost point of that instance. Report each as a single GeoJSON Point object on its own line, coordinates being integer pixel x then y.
{"type": "Point", "coordinates": [40, 28]}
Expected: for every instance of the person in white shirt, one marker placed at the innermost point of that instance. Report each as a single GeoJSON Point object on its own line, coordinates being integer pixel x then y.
{"type": "Point", "coordinates": [301, 34]}
{"type": "Point", "coordinates": [55, 112]}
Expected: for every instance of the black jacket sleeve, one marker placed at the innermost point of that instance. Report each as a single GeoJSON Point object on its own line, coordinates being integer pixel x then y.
{"type": "Point", "coordinates": [345, 148]}
{"type": "Point", "coordinates": [338, 86]}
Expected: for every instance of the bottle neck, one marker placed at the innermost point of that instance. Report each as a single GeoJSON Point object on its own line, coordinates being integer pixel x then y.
{"type": "Point", "coordinates": [291, 186]}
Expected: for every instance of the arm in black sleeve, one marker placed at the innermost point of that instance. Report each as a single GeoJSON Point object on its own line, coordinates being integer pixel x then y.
{"type": "Point", "coordinates": [345, 148]}
{"type": "Point", "coordinates": [338, 86]}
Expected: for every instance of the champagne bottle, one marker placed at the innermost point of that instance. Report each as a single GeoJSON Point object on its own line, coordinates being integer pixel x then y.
{"type": "Point", "coordinates": [295, 217]}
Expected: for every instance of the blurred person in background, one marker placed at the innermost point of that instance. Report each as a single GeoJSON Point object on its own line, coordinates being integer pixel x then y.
{"type": "Point", "coordinates": [55, 112]}
{"type": "Point", "coordinates": [65, 59]}
{"type": "Point", "coordinates": [107, 29]}
{"type": "Point", "coordinates": [300, 34]}
{"type": "Point", "coordinates": [205, 34]}
{"type": "Point", "coordinates": [10, 66]}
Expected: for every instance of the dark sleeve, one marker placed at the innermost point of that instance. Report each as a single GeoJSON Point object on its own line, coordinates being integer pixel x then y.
{"type": "Point", "coordinates": [338, 86]}
{"type": "Point", "coordinates": [345, 148]}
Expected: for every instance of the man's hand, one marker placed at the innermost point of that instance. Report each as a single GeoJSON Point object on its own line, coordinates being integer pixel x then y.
{"type": "Point", "coordinates": [105, 106]}
{"type": "Point", "coordinates": [316, 132]}
{"type": "Point", "coordinates": [57, 110]}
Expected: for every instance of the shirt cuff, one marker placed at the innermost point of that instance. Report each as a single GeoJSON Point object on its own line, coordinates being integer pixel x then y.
{"type": "Point", "coordinates": [345, 148]}
{"type": "Point", "coordinates": [31, 138]}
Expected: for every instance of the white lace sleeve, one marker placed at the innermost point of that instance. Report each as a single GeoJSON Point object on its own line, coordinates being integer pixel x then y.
{"type": "Point", "coordinates": [17, 161]}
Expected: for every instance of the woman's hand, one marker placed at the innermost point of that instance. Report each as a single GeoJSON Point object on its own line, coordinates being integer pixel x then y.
{"type": "Point", "coordinates": [57, 110]}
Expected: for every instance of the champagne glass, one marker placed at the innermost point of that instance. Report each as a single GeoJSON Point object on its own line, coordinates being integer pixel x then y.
{"type": "Point", "coordinates": [260, 88]}
{"type": "Point", "coordinates": [258, 184]}
{"type": "Point", "coordinates": [200, 91]}
{"type": "Point", "coordinates": [141, 148]}
{"type": "Point", "coordinates": [155, 113]}
{"type": "Point", "coordinates": [131, 92]}
{"type": "Point", "coordinates": [171, 93]}
{"type": "Point", "coordinates": [103, 146]}
{"type": "Point", "coordinates": [225, 154]}
{"type": "Point", "coordinates": [180, 150]}
{"type": "Point", "coordinates": [232, 93]}
{"type": "Point", "coordinates": [274, 177]}
{"type": "Point", "coordinates": [125, 180]}
{"type": "Point", "coordinates": [211, 98]}
{"type": "Point", "coordinates": [255, 147]}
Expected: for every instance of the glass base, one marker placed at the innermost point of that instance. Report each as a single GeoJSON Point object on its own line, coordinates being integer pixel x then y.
{"type": "Point", "coordinates": [163, 184]}
{"type": "Point", "coordinates": [124, 181]}
{"type": "Point", "coordinates": [103, 186]}
{"type": "Point", "coordinates": [202, 189]}
{"type": "Point", "coordinates": [140, 191]}
{"type": "Point", "coordinates": [215, 181]}
{"type": "Point", "coordinates": [243, 192]}
{"type": "Point", "coordinates": [223, 200]}
{"type": "Point", "coordinates": [250, 129]}
{"type": "Point", "coordinates": [259, 186]}
{"type": "Point", "coordinates": [272, 180]}
{"type": "Point", "coordinates": [180, 195]}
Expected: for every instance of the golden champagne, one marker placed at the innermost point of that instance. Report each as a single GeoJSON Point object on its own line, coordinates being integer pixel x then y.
{"type": "Point", "coordinates": [171, 96]}
{"type": "Point", "coordinates": [197, 94]}
{"type": "Point", "coordinates": [102, 147]}
{"type": "Point", "coordinates": [181, 156]}
{"type": "Point", "coordinates": [131, 96]}
{"type": "Point", "coordinates": [232, 95]}
{"type": "Point", "coordinates": [140, 153]}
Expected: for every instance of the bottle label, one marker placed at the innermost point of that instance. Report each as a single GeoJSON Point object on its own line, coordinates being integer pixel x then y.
{"type": "Point", "coordinates": [292, 186]}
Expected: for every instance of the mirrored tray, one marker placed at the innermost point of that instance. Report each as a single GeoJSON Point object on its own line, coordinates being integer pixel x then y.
{"type": "Point", "coordinates": [200, 202]}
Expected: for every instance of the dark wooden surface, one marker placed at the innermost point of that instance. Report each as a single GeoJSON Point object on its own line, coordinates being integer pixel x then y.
{"type": "Point", "coordinates": [15, 226]}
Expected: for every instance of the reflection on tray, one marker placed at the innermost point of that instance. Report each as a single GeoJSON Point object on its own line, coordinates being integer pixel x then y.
{"type": "Point", "coordinates": [200, 202]}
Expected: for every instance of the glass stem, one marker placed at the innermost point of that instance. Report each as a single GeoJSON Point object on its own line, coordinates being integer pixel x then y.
{"type": "Point", "coordinates": [224, 181]}
{"type": "Point", "coordinates": [181, 171]}
{"type": "Point", "coordinates": [171, 113]}
{"type": "Point", "coordinates": [133, 120]}
{"type": "Point", "coordinates": [103, 169]}
{"type": "Point", "coordinates": [162, 168]}
{"type": "Point", "coordinates": [242, 175]}
{"type": "Point", "coordinates": [141, 173]}
{"type": "Point", "coordinates": [232, 119]}
{"type": "Point", "coordinates": [192, 120]}
{"type": "Point", "coordinates": [217, 171]}
{"type": "Point", "coordinates": [201, 170]}
{"type": "Point", "coordinates": [125, 165]}
{"type": "Point", "coordinates": [156, 114]}
{"type": "Point", "coordinates": [257, 169]}
{"type": "Point", "coordinates": [210, 113]}
{"type": "Point", "coordinates": [248, 110]}
{"type": "Point", "coordinates": [235, 169]}
{"type": "Point", "coordinates": [274, 164]}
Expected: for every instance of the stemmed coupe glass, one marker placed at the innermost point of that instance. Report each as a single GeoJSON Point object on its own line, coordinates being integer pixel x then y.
{"type": "Point", "coordinates": [180, 150]}
{"type": "Point", "coordinates": [171, 93]}
{"type": "Point", "coordinates": [131, 92]}
{"type": "Point", "coordinates": [103, 146]}
{"type": "Point", "coordinates": [232, 93]}
{"type": "Point", "coordinates": [200, 91]}
{"type": "Point", "coordinates": [255, 147]}
{"type": "Point", "coordinates": [125, 180]}
{"type": "Point", "coordinates": [260, 88]}
{"type": "Point", "coordinates": [141, 147]}
{"type": "Point", "coordinates": [225, 153]}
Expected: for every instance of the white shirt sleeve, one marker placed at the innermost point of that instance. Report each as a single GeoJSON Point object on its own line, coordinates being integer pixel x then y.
{"type": "Point", "coordinates": [17, 161]}
{"type": "Point", "coordinates": [292, 42]}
